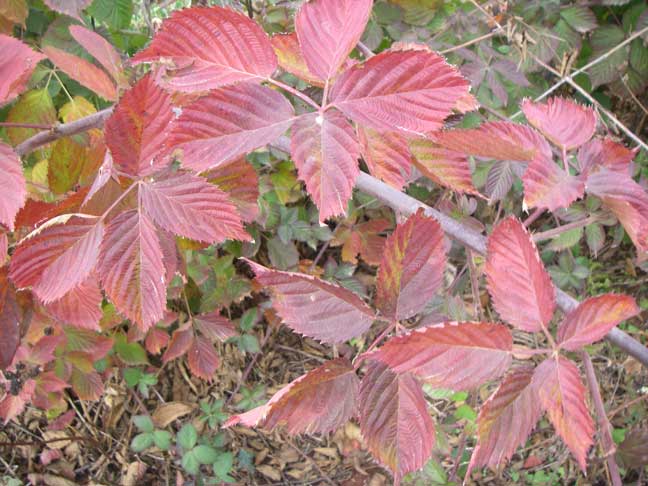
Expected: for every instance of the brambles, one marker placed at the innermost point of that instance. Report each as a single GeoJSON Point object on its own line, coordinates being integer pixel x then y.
{"type": "Point", "coordinates": [159, 228]}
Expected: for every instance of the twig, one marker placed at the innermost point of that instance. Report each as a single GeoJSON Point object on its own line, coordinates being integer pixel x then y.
{"type": "Point", "coordinates": [322, 474]}
{"type": "Point", "coordinates": [35, 126]}
{"type": "Point", "coordinates": [626, 405]}
{"type": "Point", "coordinates": [552, 233]}
{"type": "Point", "coordinates": [49, 441]}
{"type": "Point", "coordinates": [248, 368]}
{"type": "Point", "coordinates": [607, 444]}
{"type": "Point", "coordinates": [533, 217]}
{"type": "Point", "coordinates": [470, 42]}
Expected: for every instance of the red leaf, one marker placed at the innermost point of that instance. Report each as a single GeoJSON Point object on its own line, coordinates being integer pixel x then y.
{"type": "Point", "coordinates": [606, 153]}
{"type": "Point", "coordinates": [506, 419]}
{"type": "Point", "coordinates": [156, 339]}
{"type": "Point", "coordinates": [291, 59]}
{"type": "Point", "coordinates": [445, 167]}
{"type": "Point", "coordinates": [58, 256]}
{"type": "Point", "coordinates": [562, 396]}
{"type": "Point", "coordinates": [328, 31]}
{"type": "Point", "coordinates": [69, 7]}
{"type": "Point", "coordinates": [104, 174]}
{"type": "Point", "coordinates": [394, 420]}
{"type": "Point", "coordinates": [455, 355]}
{"type": "Point", "coordinates": [81, 306]}
{"type": "Point", "coordinates": [566, 123]}
{"type": "Point", "coordinates": [326, 153]}
{"type": "Point", "coordinates": [313, 307]}
{"type": "Point", "coordinates": [87, 386]}
{"type": "Point", "coordinates": [86, 341]}
{"type": "Point", "coordinates": [517, 281]}
{"type": "Point", "coordinates": [411, 270]}
{"type": "Point", "coordinates": [496, 140]}
{"type": "Point", "coordinates": [12, 405]}
{"type": "Point", "coordinates": [35, 212]}
{"type": "Point", "coordinates": [12, 186]}
{"type": "Point", "coordinates": [548, 186]}
{"type": "Point", "coordinates": [593, 319]}
{"type": "Point", "coordinates": [362, 239]}
{"type": "Point", "coordinates": [131, 268]}
{"type": "Point", "coordinates": [230, 122]}
{"type": "Point", "coordinates": [411, 91]}
{"type": "Point", "coordinates": [626, 199]}
{"type": "Point", "coordinates": [190, 206]}
{"type": "Point", "coordinates": [83, 72]}
{"type": "Point", "coordinates": [215, 327]}
{"type": "Point", "coordinates": [202, 358]}
{"type": "Point", "coordinates": [210, 48]}
{"type": "Point", "coordinates": [240, 181]}
{"type": "Point", "coordinates": [137, 131]}
{"type": "Point", "coordinates": [318, 402]}
{"type": "Point", "coordinates": [101, 50]}
{"type": "Point", "coordinates": [387, 156]}
{"type": "Point", "coordinates": [9, 321]}
{"type": "Point", "coordinates": [17, 62]}
{"type": "Point", "coordinates": [181, 341]}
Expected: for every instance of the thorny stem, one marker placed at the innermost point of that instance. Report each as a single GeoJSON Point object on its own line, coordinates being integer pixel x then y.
{"type": "Point", "coordinates": [552, 233]}
{"type": "Point", "coordinates": [294, 92]}
{"type": "Point", "coordinates": [533, 217]}
{"type": "Point", "coordinates": [607, 443]}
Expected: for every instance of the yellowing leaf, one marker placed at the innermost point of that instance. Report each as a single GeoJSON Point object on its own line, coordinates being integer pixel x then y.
{"type": "Point", "coordinates": [75, 109]}
{"type": "Point", "coordinates": [36, 107]}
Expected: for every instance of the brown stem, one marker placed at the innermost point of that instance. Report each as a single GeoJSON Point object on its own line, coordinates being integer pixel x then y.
{"type": "Point", "coordinates": [35, 126]}
{"type": "Point", "coordinates": [533, 216]}
{"type": "Point", "coordinates": [48, 441]}
{"type": "Point", "coordinates": [552, 233]}
{"type": "Point", "coordinates": [607, 443]}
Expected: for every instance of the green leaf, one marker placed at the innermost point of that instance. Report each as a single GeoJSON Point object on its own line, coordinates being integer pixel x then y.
{"type": "Point", "coordinates": [249, 343]}
{"type": "Point", "coordinates": [566, 240]}
{"type": "Point", "coordinates": [187, 437]}
{"type": "Point", "coordinates": [143, 423]}
{"type": "Point", "coordinates": [129, 353]}
{"type": "Point", "coordinates": [162, 439]}
{"type": "Point", "coordinates": [595, 237]}
{"type": "Point", "coordinates": [141, 442]}
{"type": "Point", "coordinates": [603, 40]}
{"type": "Point", "coordinates": [223, 464]}
{"type": "Point", "coordinates": [132, 376]}
{"type": "Point", "coordinates": [65, 164]}
{"type": "Point", "coordinates": [465, 412]}
{"type": "Point", "coordinates": [580, 18]}
{"type": "Point", "coordinates": [248, 319]}
{"type": "Point", "coordinates": [205, 454]}
{"type": "Point", "coordinates": [116, 13]}
{"type": "Point", "coordinates": [190, 463]}
{"type": "Point", "coordinates": [35, 107]}
{"type": "Point", "coordinates": [282, 256]}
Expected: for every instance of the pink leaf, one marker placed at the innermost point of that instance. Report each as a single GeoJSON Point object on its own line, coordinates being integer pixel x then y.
{"type": "Point", "coordinates": [566, 123]}
{"type": "Point", "coordinates": [506, 419]}
{"type": "Point", "coordinates": [517, 281]}
{"type": "Point", "coordinates": [496, 140]}
{"type": "Point", "coordinates": [101, 50]}
{"type": "Point", "coordinates": [81, 306]}
{"type": "Point", "coordinates": [87, 386]}
{"type": "Point", "coordinates": [326, 153]}
{"type": "Point", "coordinates": [104, 174]}
{"type": "Point", "coordinates": [71, 8]}
{"type": "Point", "coordinates": [455, 355]}
{"type": "Point", "coordinates": [181, 341]}
{"type": "Point", "coordinates": [548, 186]}
{"type": "Point", "coordinates": [131, 268]}
{"type": "Point", "coordinates": [202, 359]}
{"type": "Point", "coordinates": [593, 319]}
{"type": "Point", "coordinates": [209, 48]}
{"type": "Point", "coordinates": [83, 72]}
{"type": "Point", "coordinates": [17, 62]}
{"type": "Point", "coordinates": [137, 131]}
{"type": "Point", "coordinates": [12, 405]}
{"type": "Point", "coordinates": [318, 402]}
{"type": "Point", "coordinates": [411, 270]}
{"type": "Point", "coordinates": [411, 91]}
{"type": "Point", "coordinates": [291, 59]}
{"type": "Point", "coordinates": [445, 167]}
{"type": "Point", "coordinates": [240, 182]}
{"type": "Point", "coordinates": [230, 122]}
{"type": "Point", "coordinates": [394, 420]}
{"type": "Point", "coordinates": [562, 396]}
{"type": "Point", "coordinates": [328, 31]}
{"type": "Point", "coordinates": [190, 206]}
{"type": "Point", "coordinates": [605, 153]}
{"type": "Point", "coordinates": [215, 327]}
{"type": "Point", "coordinates": [387, 156]}
{"type": "Point", "coordinates": [314, 307]}
{"type": "Point", "coordinates": [58, 256]}
{"type": "Point", "coordinates": [13, 188]}
{"type": "Point", "coordinates": [10, 317]}
{"type": "Point", "coordinates": [156, 339]}
{"type": "Point", "coordinates": [626, 199]}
